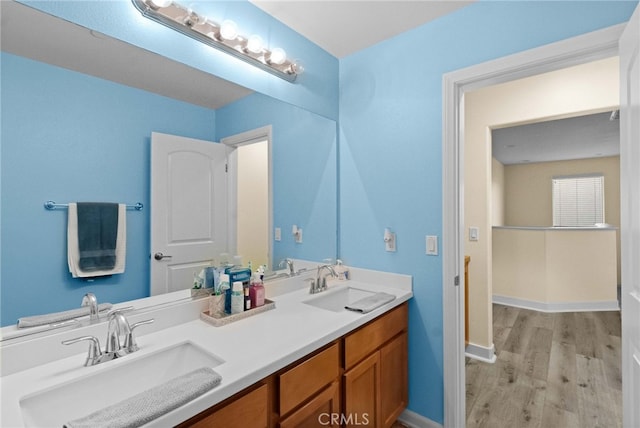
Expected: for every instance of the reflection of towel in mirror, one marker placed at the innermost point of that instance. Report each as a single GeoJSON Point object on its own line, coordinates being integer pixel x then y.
{"type": "Point", "coordinates": [36, 320]}
{"type": "Point", "coordinates": [152, 403]}
{"type": "Point", "coordinates": [96, 239]}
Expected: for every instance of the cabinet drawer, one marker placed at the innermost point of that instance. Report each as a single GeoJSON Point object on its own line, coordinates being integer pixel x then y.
{"type": "Point", "coordinates": [370, 337]}
{"type": "Point", "coordinates": [307, 378]}
{"type": "Point", "coordinates": [248, 411]}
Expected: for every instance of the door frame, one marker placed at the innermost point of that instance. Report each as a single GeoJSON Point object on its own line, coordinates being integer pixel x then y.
{"type": "Point", "coordinates": [566, 53]}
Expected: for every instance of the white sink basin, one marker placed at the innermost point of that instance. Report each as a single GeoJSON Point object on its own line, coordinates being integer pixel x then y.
{"type": "Point", "coordinates": [120, 379]}
{"type": "Point", "coordinates": [336, 300]}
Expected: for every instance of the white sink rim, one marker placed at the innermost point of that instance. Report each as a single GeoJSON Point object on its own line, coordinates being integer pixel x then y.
{"type": "Point", "coordinates": [335, 300]}
{"type": "Point", "coordinates": [97, 389]}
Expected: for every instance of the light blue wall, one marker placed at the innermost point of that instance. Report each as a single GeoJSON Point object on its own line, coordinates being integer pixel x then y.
{"type": "Point", "coordinates": [49, 113]}
{"type": "Point", "coordinates": [315, 90]}
{"type": "Point", "coordinates": [304, 171]}
{"type": "Point", "coordinates": [391, 148]}
{"type": "Point", "coordinates": [390, 143]}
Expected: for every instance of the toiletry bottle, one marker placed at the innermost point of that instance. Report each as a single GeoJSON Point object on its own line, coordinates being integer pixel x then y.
{"type": "Point", "coordinates": [341, 270]}
{"type": "Point", "coordinates": [237, 298]}
{"type": "Point", "coordinates": [247, 299]}
{"type": "Point", "coordinates": [225, 289]}
{"type": "Point", "coordinates": [257, 292]}
{"type": "Point", "coordinates": [197, 281]}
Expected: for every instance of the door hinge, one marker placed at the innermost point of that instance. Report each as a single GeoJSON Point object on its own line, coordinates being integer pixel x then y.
{"type": "Point", "coordinates": [226, 167]}
{"type": "Point", "coordinates": [456, 280]}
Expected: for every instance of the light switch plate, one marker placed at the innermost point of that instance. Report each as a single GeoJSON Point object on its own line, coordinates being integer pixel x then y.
{"type": "Point", "coordinates": [277, 234]}
{"type": "Point", "coordinates": [474, 233]}
{"type": "Point", "coordinates": [432, 245]}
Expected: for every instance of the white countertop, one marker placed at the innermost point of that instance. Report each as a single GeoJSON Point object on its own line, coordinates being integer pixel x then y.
{"type": "Point", "coordinates": [252, 348]}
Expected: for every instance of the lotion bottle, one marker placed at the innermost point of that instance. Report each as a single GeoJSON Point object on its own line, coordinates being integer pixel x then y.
{"type": "Point", "coordinates": [237, 298]}
{"type": "Point", "coordinates": [257, 292]}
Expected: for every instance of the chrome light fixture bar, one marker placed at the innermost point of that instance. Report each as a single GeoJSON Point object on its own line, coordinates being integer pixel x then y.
{"type": "Point", "coordinates": [222, 36]}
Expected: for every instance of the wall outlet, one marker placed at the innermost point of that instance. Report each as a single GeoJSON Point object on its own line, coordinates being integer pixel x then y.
{"type": "Point", "coordinates": [389, 241]}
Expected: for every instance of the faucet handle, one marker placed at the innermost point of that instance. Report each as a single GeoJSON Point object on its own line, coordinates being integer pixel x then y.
{"type": "Point", "coordinates": [312, 285]}
{"type": "Point", "coordinates": [94, 354]}
{"type": "Point", "coordinates": [130, 344]}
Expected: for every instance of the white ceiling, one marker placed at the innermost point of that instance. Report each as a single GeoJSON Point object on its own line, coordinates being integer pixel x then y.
{"type": "Point", "coordinates": [581, 137]}
{"type": "Point", "coordinates": [344, 27]}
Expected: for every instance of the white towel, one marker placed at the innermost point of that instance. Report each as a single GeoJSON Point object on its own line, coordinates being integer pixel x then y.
{"type": "Point", "coordinates": [73, 252]}
{"type": "Point", "coordinates": [57, 317]}
{"type": "Point", "coordinates": [367, 304]}
{"type": "Point", "coordinates": [152, 403]}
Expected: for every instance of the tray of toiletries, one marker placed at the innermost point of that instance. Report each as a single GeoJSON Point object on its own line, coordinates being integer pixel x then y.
{"type": "Point", "coordinates": [218, 317]}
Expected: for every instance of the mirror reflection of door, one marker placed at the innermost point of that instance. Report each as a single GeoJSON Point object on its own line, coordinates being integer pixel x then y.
{"type": "Point", "coordinates": [250, 203]}
{"type": "Point", "coordinates": [189, 215]}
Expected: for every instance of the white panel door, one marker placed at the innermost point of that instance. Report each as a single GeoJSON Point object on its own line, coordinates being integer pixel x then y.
{"type": "Point", "coordinates": [188, 209]}
{"type": "Point", "coordinates": [630, 218]}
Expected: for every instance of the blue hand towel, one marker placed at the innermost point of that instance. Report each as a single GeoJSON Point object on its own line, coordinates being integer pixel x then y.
{"type": "Point", "coordinates": [97, 234]}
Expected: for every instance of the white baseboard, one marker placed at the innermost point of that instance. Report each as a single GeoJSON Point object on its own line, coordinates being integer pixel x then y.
{"type": "Point", "coordinates": [415, 420]}
{"type": "Point", "coordinates": [605, 305]}
{"type": "Point", "coordinates": [482, 353]}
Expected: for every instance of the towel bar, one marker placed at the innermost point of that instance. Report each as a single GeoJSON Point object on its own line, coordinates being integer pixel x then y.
{"type": "Point", "coordinates": [50, 205]}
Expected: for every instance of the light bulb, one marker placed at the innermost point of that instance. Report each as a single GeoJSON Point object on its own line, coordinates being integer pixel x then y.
{"type": "Point", "coordinates": [160, 3]}
{"type": "Point", "coordinates": [295, 68]}
{"type": "Point", "coordinates": [277, 56]}
{"type": "Point", "coordinates": [254, 44]}
{"type": "Point", "coordinates": [229, 30]}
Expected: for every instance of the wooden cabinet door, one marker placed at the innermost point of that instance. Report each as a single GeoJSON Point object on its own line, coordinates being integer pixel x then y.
{"type": "Point", "coordinates": [322, 410]}
{"type": "Point", "coordinates": [394, 393]}
{"type": "Point", "coordinates": [362, 393]}
{"type": "Point", "coordinates": [248, 411]}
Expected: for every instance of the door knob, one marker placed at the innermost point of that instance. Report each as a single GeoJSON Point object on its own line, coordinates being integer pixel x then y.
{"type": "Point", "coordinates": [160, 256]}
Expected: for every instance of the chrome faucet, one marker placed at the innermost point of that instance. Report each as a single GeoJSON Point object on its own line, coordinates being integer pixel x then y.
{"type": "Point", "coordinates": [320, 283]}
{"type": "Point", "coordinates": [117, 327]}
{"type": "Point", "coordinates": [91, 301]}
{"type": "Point", "coordinates": [289, 264]}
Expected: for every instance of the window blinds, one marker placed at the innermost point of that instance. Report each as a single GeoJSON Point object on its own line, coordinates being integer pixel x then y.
{"type": "Point", "coordinates": [578, 201]}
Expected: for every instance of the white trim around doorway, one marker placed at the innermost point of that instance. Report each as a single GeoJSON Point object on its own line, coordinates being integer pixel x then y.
{"type": "Point", "coordinates": [577, 50]}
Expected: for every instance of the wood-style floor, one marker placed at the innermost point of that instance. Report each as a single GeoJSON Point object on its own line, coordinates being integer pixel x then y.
{"type": "Point", "coordinates": [553, 370]}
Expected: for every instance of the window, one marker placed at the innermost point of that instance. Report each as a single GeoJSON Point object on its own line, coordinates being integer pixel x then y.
{"type": "Point", "coordinates": [578, 201]}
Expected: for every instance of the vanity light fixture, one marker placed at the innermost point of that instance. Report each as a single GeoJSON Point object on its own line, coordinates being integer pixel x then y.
{"type": "Point", "coordinates": [222, 36]}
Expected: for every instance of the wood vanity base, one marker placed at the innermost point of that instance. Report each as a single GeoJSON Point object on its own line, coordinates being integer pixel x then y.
{"type": "Point", "coordinates": [360, 379]}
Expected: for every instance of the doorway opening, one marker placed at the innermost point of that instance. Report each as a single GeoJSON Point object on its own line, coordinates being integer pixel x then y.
{"type": "Point", "coordinates": [251, 177]}
{"type": "Point", "coordinates": [590, 47]}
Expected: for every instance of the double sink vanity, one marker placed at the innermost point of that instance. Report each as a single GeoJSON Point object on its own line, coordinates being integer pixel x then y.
{"type": "Point", "coordinates": [308, 362]}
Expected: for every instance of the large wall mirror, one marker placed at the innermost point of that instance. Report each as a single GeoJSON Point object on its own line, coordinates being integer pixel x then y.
{"type": "Point", "coordinates": [78, 112]}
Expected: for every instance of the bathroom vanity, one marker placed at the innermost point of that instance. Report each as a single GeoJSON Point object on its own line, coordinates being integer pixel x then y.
{"type": "Point", "coordinates": [284, 367]}
{"type": "Point", "coordinates": [358, 379]}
